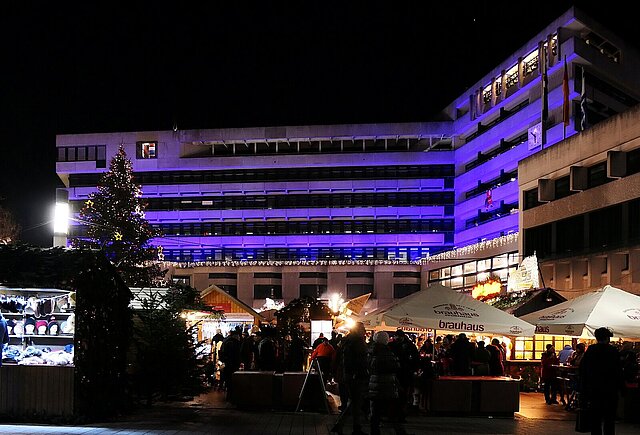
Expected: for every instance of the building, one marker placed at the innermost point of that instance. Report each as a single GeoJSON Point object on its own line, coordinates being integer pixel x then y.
{"type": "Point", "coordinates": [286, 211]}
{"type": "Point", "coordinates": [581, 208]}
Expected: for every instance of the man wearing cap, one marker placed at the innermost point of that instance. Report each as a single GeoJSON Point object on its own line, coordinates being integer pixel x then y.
{"type": "Point", "coordinates": [600, 382]}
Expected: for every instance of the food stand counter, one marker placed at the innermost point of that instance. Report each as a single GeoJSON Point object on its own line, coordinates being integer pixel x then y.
{"type": "Point", "coordinates": [474, 395]}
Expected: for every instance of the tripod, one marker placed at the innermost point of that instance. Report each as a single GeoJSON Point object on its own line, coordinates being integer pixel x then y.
{"type": "Point", "coordinates": [314, 365]}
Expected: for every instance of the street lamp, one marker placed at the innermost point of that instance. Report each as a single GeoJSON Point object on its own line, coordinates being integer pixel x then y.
{"type": "Point", "coordinates": [60, 224]}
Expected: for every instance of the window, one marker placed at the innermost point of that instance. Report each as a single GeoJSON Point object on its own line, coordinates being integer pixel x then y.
{"type": "Point", "coordinates": [320, 275]}
{"type": "Point", "coordinates": [355, 290]}
{"type": "Point", "coordinates": [527, 348]}
{"type": "Point", "coordinates": [312, 290]}
{"type": "Point", "coordinates": [406, 274]}
{"type": "Point", "coordinates": [146, 150]}
{"type": "Point", "coordinates": [222, 275]}
{"type": "Point", "coordinates": [402, 290]}
{"type": "Point", "coordinates": [359, 274]}
{"type": "Point", "coordinates": [263, 291]}
{"type": "Point", "coordinates": [272, 275]}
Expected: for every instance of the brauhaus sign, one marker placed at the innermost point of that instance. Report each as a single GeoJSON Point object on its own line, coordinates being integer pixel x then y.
{"type": "Point", "coordinates": [458, 311]}
{"type": "Point", "coordinates": [460, 326]}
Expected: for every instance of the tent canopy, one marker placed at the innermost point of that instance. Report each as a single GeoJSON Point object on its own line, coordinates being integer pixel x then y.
{"type": "Point", "coordinates": [439, 307]}
{"type": "Point", "coordinates": [610, 307]}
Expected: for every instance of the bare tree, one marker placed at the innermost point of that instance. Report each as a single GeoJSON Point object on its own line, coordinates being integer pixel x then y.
{"type": "Point", "coordinates": [9, 228]}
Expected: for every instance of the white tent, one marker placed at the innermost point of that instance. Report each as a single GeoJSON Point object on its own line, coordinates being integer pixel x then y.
{"type": "Point", "coordinates": [610, 307]}
{"type": "Point", "coordinates": [439, 307]}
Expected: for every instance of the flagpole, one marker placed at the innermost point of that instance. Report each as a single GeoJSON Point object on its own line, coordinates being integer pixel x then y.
{"type": "Point", "coordinates": [565, 99]}
{"type": "Point", "coordinates": [545, 107]}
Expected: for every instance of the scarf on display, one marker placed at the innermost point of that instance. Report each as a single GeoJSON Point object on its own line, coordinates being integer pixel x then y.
{"type": "Point", "coordinates": [39, 307]}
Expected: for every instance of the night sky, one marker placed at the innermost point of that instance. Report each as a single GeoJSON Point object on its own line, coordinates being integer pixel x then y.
{"type": "Point", "coordinates": [89, 69]}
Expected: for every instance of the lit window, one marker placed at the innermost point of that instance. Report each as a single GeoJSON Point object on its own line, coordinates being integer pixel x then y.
{"type": "Point", "coordinates": [147, 150]}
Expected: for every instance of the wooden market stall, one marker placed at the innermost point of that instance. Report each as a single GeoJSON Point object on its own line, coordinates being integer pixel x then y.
{"type": "Point", "coordinates": [63, 284]}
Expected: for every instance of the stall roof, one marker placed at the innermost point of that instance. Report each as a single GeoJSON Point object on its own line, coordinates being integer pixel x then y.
{"type": "Point", "coordinates": [217, 290]}
{"type": "Point", "coordinates": [530, 301]}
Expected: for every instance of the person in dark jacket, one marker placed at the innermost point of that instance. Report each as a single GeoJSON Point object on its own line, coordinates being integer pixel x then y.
{"type": "Point", "coordinates": [549, 373]}
{"type": "Point", "coordinates": [409, 360]}
{"type": "Point", "coordinates": [230, 356]}
{"type": "Point", "coordinates": [383, 384]}
{"type": "Point", "coordinates": [461, 352]}
{"type": "Point", "coordinates": [480, 360]}
{"type": "Point", "coordinates": [356, 378]}
{"type": "Point", "coordinates": [267, 352]}
{"type": "Point", "coordinates": [601, 382]}
{"type": "Point", "coordinates": [246, 351]}
{"type": "Point", "coordinates": [496, 367]}
{"type": "Point", "coordinates": [296, 354]}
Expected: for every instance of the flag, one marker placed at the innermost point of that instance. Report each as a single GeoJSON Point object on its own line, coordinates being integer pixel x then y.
{"type": "Point", "coordinates": [583, 102]}
{"type": "Point", "coordinates": [545, 87]}
{"type": "Point", "coordinates": [488, 200]}
{"type": "Point", "coordinates": [565, 94]}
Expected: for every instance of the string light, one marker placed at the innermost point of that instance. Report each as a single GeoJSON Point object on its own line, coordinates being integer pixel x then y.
{"type": "Point", "coordinates": [448, 255]}
{"type": "Point", "coordinates": [498, 242]}
{"type": "Point", "coordinates": [276, 263]}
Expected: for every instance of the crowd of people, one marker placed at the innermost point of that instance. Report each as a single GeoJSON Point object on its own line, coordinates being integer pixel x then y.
{"type": "Point", "coordinates": [388, 373]}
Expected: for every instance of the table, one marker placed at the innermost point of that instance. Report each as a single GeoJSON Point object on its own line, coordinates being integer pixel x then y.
{"type": "Point", "coordinates": [474, 395]}
{"type": "Point", "coordinates": [568, 381]}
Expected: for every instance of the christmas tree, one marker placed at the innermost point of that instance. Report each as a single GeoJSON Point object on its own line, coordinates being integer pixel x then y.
{"type": "Point", "coordinates": [116, 224]}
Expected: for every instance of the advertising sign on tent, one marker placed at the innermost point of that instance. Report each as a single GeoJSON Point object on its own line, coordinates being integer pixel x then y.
{"type": "Point", "coordinates": [439, 307]}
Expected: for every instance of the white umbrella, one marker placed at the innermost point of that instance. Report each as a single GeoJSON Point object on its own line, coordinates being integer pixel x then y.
{"type": "Point", "coordinates": [608, 307]}
{"type": "Point", "coordinates": [439, 307]}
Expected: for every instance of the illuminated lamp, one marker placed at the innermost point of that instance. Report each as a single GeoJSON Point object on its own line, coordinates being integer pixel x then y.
{"type": "Point", "coordinates": [486, 290]}
{"type": "Point", "coordinates": [61, 218]}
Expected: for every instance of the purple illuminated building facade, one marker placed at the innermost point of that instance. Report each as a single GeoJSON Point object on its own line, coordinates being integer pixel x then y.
{"type": "Point", "coordinates": [280, 212]}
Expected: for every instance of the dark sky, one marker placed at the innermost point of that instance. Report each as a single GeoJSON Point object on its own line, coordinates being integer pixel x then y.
{"type": "Point", "coordinates": [87, 69]}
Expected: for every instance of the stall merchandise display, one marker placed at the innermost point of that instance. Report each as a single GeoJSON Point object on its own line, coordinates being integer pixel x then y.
{"type": "Point", "coordinates": [40, 324]}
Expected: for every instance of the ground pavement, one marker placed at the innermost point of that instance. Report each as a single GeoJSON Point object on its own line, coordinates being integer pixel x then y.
{"type": "Point", "coordinates": [209, 414]}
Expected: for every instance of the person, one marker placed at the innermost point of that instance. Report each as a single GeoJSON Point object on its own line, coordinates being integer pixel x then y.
{"type": "Point", "coordinates": [549, 374]}
{"type": "Point", "coordinates": [576, 357]}
{"type": "Point", "coordinates": [325, 354]}
{"type": "Point", "coordinates": [480, 361]}
{"type": "Point", "coordinates": [339, 376]}
{"type": "Point", "coordinates": [383, 384]}
{"type": "Point", "coordinates": [267, 352]}
{"type": "Point", "coordinates": [565, 354]}
{"type": "Point", "coordinates": [218, 337]}
{"type": "Point", "coordinates": [600, 382]}
{"type": "Point", "coordinates": [629, 361]}
{"type": "Point", "coordinates": [318, 340]}
{"type": "Point", "coordinates": [356, 376]}
{"type": "Point", "coordinates": [246, 351]}
{"type": "Point", "coordinates": [496, 366]}
{"type": "Point", "coordinates": [296, 354]}
{"type": "Point", "coordinates": [461, 354]}
{"type": "Point", "coordinates": [427, 348]}
{"type": "Point", "coordinates": [230, 356]}
{"type": "Point", "coordinates": [4, 335]}
{"type": "Point", "coordinates": [409, 360]}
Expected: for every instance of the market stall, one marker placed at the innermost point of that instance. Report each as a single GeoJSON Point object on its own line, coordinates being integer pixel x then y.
{"type": "Point", "coordinates": [235, 313]}
{"type": "Point", "coordinates": [69, 328]}
{"type": "Point", "coordinates": [610, 307]}
{"type": "Point", "coordinates": [445, 310]}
